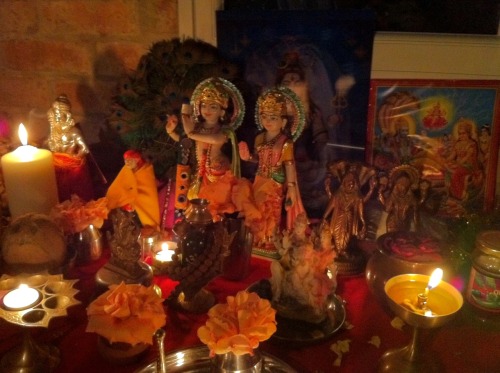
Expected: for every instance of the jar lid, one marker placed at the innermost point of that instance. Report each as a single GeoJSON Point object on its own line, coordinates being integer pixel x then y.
{"type": "Point", "coordinates": [489, 242]}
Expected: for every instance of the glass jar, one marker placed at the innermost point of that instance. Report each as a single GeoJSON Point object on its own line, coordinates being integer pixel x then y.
{"type": "Point", "coordinates": [483, 290]}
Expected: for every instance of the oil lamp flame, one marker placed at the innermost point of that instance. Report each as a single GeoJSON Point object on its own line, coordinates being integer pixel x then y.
{"type": "Point", "coordinates": [23, 134]}
{"type": "Point", "coordinates": [435, 279]}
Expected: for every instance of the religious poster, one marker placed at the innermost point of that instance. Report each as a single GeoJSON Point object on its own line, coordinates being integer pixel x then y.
{"type": "Point", "coordinates": [447, 129]}
{"type": "Point", "coordinates": [325, 58]}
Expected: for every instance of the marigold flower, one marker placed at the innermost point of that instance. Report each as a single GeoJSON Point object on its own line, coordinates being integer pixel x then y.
{"type": "Point", "coordinates": [239, 325]}
{"type": "Point", "coordinates": [128, 313]}
{"type": "Point", "coordinates": [74, 215]}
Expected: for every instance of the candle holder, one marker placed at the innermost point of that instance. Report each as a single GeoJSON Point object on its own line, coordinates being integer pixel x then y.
{"type": "Point", "coordinates": [162, 256]}
{"type": "Point", "coordinates": [408, 299]}
{"type": "Point", "coordinates": [43, 298]}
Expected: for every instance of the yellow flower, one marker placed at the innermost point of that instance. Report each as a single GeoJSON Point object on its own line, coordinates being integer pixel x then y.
{"type": "Point", "coordinates": [239, 325]}
{"type": "Point", "coordinates": [128, 313]}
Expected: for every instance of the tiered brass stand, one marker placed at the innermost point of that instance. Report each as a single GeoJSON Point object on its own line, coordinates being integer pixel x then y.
{"type": "Point", "coordinates": [56, 295]}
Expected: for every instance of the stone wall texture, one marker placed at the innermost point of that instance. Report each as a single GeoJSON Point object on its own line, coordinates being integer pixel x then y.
{"type": "Point", "coordinates": [78, 47]}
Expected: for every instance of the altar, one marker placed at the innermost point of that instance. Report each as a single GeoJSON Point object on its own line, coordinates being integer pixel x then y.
{"type": "Point", "coordinates": [463, 345]}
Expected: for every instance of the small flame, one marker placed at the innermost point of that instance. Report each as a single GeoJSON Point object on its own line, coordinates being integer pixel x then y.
{"type": "Point", "coordinates": [435, 279]}
{"type": "Point", "coordinates": [23, 134]}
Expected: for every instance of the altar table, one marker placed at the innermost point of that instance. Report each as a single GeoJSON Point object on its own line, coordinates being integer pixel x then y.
{"type": "Point", "coordinates": [464, 345]}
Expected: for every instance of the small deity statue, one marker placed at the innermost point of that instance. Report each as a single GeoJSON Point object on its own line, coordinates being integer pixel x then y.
{"type": "Point", "coordinates": [305, 275]}
{"type": "Point", "coordinates": [70, 152]}
{"type": "Point", "coordinates": [215, 112]}
{"type": "Point", "coordinates": [64, 136]}
{"type": "Point", "coordinates": [134, 189]}
{"type": "Point", "coordinates": [276, 177]}
{"type": "Point", "coordinates": [398, 194]}
{"type": "Point", "coordinates": [346, 205]}
{"type": "Point", "coordinates": [124, 264]}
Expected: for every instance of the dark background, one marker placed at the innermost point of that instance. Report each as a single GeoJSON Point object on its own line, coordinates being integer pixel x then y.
{"type": "Point", "coordinates": [435, 16]}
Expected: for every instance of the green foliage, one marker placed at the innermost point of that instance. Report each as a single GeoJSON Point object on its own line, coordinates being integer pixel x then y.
{"type": "Point", "coordinates": [463, 232]}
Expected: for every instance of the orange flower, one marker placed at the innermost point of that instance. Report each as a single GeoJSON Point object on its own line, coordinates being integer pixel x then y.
{"type": "Point", "coordinates": [74, 215]}
{"type": "Point", "coordinates": [239, 325]}
{"type": "Point", "coordinates": [128, 313]}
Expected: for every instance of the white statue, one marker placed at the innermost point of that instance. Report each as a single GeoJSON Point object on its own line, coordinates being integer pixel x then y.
{"type": "Point", "coordinates": [305, 275]}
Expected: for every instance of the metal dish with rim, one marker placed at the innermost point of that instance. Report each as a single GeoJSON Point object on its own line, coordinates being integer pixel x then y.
{"type": "Point", "coordinates": [197, 360]}
{"type": "Point", "coordinates": [301, 332]}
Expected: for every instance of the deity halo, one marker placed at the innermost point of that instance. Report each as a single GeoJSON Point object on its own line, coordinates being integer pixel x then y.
{"type": "Point", "coordinates": [236, 104]}
{"type": "Point", "coordinates": [412, 173]}
{"type": "Point", "coordinates": [294, 109]}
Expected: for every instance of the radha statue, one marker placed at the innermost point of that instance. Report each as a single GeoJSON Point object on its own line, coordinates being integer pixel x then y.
{"type": "Point", "coordinates": [276, 177]}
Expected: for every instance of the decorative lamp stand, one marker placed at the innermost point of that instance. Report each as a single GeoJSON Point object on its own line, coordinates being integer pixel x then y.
{"type": "Point", "coordinates": [29, 302]}
{"type": "Point", "coordinates": [419, 308]}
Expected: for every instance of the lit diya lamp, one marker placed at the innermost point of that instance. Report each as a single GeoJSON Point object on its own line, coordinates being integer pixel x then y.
{"type": "Point", "coordinates": [422, 302]}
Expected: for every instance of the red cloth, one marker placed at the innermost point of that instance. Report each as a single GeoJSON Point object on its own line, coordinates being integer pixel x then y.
{"type": "Point", "coordinates": [460, 345]}
{"type": "Point", "coordinates": [73, 177]}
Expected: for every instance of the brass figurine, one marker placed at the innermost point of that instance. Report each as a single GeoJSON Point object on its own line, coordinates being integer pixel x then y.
{"type": "Point", "coordinates": [124, 264]}
{"type": "Point", "coordinates": [64, 136]}
{"type": "Point", "coordinates": [346, 210]}
{"type": "Point", "coordinates": [401, 194]}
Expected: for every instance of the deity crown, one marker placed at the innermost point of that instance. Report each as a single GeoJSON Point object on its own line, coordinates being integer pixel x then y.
{"type": "Point", "coordinates": [273, 102]}
{"type": "Point", "coordinates": [212, 93]}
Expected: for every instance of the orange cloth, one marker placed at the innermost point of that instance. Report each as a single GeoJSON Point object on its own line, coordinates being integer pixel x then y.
{"type": "Point", "coordinates": [137, 189]}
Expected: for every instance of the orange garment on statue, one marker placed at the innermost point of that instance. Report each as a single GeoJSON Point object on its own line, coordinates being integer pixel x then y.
{"type": "Point", "coordinates": [137, 189]}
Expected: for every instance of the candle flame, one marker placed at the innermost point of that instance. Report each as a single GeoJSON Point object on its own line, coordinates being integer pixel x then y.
{"type": "Point", "coordinates": [435, 278]}
{"type": "Point", "coordinates": [23, 134]}
{"type": "Point", "coordinates": [164, 246]}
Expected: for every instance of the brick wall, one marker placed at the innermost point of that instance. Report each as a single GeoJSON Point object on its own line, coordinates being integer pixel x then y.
{"type": "Point", "coordinates": [77, 47]}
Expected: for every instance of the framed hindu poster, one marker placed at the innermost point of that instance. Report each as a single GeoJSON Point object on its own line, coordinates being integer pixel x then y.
{"type": "Point", "coordinates": [447, 129]}
{"type": "Point", "coordinates": [324, 57]}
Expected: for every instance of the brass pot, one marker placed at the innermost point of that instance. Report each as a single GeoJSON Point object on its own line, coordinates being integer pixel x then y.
{"type": "Point", "coordinates": [121, 353]}
{"type": "Point", "coordinates": [411, 256]}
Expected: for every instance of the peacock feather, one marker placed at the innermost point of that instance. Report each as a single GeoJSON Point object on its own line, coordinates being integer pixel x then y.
{"type": "Point", "coordinates": [164, 79]}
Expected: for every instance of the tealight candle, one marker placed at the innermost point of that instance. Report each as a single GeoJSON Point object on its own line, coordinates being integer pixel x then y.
{"type": "Point", "coordinates": [165, 254]}
{"type": "Point", "coordinates": [21, 298]}
{"type": "Point", "coordinates": [163, 258]}
{"type": "Point", "coordinates": [30, 178]}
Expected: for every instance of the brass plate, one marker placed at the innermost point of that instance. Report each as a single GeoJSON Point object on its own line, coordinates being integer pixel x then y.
{"type": "Point", "coordinates": [196, 360]}
{"type": "Point", "coordinates": [301, 332]}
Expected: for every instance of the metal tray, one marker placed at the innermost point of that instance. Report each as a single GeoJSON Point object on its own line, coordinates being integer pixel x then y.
{"type": "Point", "coordinates": [196, 359]}
{"type": "Point", "coordinates": [301, 332]}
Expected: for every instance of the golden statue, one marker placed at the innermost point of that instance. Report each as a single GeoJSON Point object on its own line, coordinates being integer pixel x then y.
{"type": "Point", "coordinates": [398, 194]}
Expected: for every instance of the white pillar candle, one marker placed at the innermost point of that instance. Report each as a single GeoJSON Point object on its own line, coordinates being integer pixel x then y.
{"type": "Point", "coordinates": [30, 178]}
